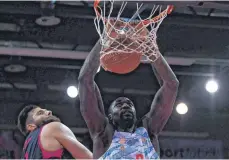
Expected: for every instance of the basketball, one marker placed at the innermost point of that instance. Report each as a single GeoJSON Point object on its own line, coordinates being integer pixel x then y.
{"type": "Point", "coordinates": [121, 63]}
{"type": "Point", "coordinates": [122, 53]}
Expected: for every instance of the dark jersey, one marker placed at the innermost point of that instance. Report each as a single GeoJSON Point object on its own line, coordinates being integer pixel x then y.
{"type": "Point", "coordinates": [33, 149]}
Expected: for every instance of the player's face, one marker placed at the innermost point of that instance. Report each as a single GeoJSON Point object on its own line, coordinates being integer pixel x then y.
{"type": "Point", "coordinates": [40, 117]}
{"type": "Point", "coordinates": [123, 110]}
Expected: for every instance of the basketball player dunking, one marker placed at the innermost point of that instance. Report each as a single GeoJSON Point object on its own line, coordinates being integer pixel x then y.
{"type": "Point", "coordinates": [47, 137]}
{"type": "Point", "coordinates": [120, 136]}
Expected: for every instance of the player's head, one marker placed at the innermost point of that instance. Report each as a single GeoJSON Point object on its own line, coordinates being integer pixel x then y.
{"type": "Point", "coordinates": [32, 117]}
{"type": "Point", "coordinates": [122, 113]}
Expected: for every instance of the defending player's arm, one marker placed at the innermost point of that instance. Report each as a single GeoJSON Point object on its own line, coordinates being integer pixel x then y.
{"type": "Point", "coordinates": [91, 104]}
{"type": "Point", "coordinates": [68, 140]}
{"type": "Point", "coordinates": [164, 99]}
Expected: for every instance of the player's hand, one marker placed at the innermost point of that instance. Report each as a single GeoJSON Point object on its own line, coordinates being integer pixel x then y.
{"type": "Point", "coordinates": [151, 50]}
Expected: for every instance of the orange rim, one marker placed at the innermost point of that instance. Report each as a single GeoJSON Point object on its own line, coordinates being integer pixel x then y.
{"type": "Point", "coordinates": [168, 10]}
{"type": "Point", "coordinates": [96, 4]}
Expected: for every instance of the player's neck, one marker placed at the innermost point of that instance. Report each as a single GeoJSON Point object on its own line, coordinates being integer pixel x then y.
{"type": "Point", "coordinates": [126, 129]}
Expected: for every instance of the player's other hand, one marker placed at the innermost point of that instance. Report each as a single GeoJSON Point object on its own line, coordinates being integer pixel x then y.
{"type": "Point", "coordinates": [151, 50]}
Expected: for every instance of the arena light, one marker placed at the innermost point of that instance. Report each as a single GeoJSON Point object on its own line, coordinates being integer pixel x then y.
{"type": "Point", "coordinates": [72, 91]}
{"type": "Point", "coordinates": [211, 86]}
{"type": "Point", "coordinates": [182, 108]}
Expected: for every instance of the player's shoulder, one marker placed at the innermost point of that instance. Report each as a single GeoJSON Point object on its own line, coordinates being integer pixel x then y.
{"type": "Point", "coordinates": [55, 129]}
{"type": "Point", "coordinates": [52, 126]}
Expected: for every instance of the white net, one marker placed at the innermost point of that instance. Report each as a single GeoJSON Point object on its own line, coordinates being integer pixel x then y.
{"type": "Point", "coordinates": [128, 35]}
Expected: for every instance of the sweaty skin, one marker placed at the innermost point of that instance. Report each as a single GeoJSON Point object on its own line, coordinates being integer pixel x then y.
{"type": "Point", "coordinates": [91, 105]}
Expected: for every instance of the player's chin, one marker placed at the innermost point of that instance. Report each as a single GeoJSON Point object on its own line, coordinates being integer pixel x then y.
{"type": "Point", "coordinates": [127, 117]}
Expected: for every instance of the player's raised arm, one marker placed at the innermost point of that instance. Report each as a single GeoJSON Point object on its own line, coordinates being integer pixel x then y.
{"type": "Point", "coordinates": [91, 105]}
{"type": "Point", "coordinates": [160, 81]}
{"type": "Point", "coordinates": [164, 99]}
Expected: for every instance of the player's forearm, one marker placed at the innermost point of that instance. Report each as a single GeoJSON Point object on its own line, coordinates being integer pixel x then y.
{"type": "Point", "coordinates": [164, 71]}
{"type": "Point", "coordinates": [160, 81]}
{"type": "Point", "coordinates": [91, 64]}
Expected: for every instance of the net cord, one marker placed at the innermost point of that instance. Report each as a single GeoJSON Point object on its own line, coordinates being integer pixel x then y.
{"type": "Point", "coordinates": [145, 43]}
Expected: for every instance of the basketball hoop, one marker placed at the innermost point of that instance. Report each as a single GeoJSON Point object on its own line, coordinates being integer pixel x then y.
{"type": "Point", "coordinates": [125, 40]}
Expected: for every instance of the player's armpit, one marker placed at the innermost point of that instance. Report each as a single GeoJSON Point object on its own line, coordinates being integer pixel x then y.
{"type": "Point", "coordinates": [68, 140]}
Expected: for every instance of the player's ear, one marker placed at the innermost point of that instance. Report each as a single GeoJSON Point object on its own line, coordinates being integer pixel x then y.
{"type": "Point", "coordinates": [31, 127]}
{"type": "Point", "coordinates": [110, 118]}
